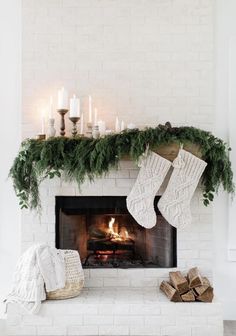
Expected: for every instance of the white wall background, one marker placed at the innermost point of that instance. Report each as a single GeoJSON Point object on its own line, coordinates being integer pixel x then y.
{"type": "Point", "coordinates": [224, 230]}
{"type": "Point", "coordinates": [145, 61]}
{"type": "Point", "coordinates": [10, 84]}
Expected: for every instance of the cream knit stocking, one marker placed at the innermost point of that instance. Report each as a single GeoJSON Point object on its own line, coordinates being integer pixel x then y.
{"type": "Point", "coordinates": [140, 201]}
{"type": "Point", "coordinates": [174, 204]}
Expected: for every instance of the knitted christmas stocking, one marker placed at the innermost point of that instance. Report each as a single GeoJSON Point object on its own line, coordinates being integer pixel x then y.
{"type": "Point", "coordinates": [140, 201]}
{"type": "Point", "coordinates": [174, 204]}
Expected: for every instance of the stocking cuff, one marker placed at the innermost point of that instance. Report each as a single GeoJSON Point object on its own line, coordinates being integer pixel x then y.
{"type": "Point", "coordinates": [193, 166]}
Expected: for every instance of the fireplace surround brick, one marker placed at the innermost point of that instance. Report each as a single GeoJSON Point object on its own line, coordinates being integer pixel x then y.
{"type": "Point", "coordinates": [119, 311]}
{"type": "Point", "coordinates": [120, 301]}
{"type": "Point", "coordinates": [194, 244]}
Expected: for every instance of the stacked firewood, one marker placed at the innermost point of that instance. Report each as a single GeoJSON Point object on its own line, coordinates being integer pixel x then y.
{"type": "Point", "coordinates": [191, 288]}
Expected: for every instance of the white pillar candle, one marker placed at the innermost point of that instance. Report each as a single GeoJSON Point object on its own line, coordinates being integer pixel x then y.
{"type": "Point", "coordinates": [62, 99]}
{"type": "Point", "coordinates": [122, 125]}
{"type": "Point", "coordinates": [82, 124]}
{"type": "Point", "coordinates": [117, 125]}
{"type": "Point", "coordinates": [95, 116]}
{"type": "Point", "coordinates": [131, 126]}
{"type": "Point", "coordinates": [51, 115]}
{"type": "Point", "coordinates": [90, 109]}
{"type": "Point", "coordinates": [43, 113]}
{"type": "Point", "coordinates": [102, 127]}
{"type": "Point", "coordinates": [74, 107]}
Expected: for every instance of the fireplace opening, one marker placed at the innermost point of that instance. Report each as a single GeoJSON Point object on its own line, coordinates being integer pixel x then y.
{"type": "Point", "coordinates": [101, 229]}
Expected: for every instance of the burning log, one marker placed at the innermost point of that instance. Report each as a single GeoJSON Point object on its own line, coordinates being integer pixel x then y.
{"type": "Point", "coordinates": [95, 232]}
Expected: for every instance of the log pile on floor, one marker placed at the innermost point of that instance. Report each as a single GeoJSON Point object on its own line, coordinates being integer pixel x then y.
{"type": "Point", "coordinates": [191, 288]}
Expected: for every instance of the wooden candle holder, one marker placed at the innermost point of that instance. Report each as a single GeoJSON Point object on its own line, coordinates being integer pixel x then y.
{"type": "Point", "coordinates": [41, 136]}
{"type": "Point", "coordinates": [89, 130]}
{"type": "Point", "coordinates": [74, 120]}
{"type": "Point", "coordinates": [62, 112]}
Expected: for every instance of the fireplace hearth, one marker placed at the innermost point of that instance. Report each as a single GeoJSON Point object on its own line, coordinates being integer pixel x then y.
{"type": "Point", "coordinates": [107, 236]}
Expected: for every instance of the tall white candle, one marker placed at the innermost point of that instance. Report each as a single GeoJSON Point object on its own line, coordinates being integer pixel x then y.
{"type": "Point", "coordinates": [50, 115]}
{"type": "Point", "coordinates": [117, 125]}
{"type": "Point", "coordinates": [43, 121]}
{"type": "Point", "coordinates": [82, 124]}
{"type": "Point", "coordinates": [74, 107]}
{"type": "Point", "coordinates": [101, 127]}
{"type": "Point", "coordinates": [62, 99]}
{"type": "Point", "coordinates": [90, 109]}
{"type": "Point", "coordinates": [95, 116]}
{"type": "Point", "coordinates": [122, 125]}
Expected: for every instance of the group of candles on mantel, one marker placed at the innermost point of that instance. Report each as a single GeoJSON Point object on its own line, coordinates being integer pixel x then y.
{"type": "Point", "coordinates": [95, 127]}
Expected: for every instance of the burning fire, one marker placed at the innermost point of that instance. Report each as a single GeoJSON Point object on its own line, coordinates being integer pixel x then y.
{"type": "Point", "coordinates": [126, 234]}
{"type": "Point", "coordinates": [123, 235]}
{"type": "Point", "coordinates": [111, 223]}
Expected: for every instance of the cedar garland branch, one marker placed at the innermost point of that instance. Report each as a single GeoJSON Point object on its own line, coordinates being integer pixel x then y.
{"type": "Point", "coordinates": [79, 158]}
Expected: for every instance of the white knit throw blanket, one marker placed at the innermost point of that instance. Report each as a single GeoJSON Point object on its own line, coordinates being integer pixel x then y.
{"type": "Point", "coordinates": [40, 267]}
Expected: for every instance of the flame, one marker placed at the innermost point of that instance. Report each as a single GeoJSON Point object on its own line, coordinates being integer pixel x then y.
{"type": "Point", "coordinates": [111, 223]}
{"type": "Point", "coordinates": [124, 235]}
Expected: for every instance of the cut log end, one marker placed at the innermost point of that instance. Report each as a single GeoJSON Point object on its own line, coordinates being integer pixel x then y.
{"type": "Point", "coordinates": [188, 297]}
{"type": "Point", "coordinates": [179, 282]}
{"type": "Point", "coordinates": [201, 289]}
{"type": "Point", "coordinates": [192, 288]}
{"type": "Point", "coordinates": [207, 296]}
{"type": "Point", "coordinates": [194, 278]}
{"type": "Point", "coordinates": [170, 292]}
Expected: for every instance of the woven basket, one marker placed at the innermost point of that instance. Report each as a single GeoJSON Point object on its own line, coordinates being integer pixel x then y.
{"type": "Point", "coordinates": [74, 278]}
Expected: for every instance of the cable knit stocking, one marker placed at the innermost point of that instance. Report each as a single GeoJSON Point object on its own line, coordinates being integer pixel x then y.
{"type": "Point", "coordinates": [140, 201]}
{"type": "Point", "coordinates": [174, 204]}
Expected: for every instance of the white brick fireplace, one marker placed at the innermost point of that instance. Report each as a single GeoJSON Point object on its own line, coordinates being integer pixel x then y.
{"type": "Point", "coordinates": [120, 301]}
{"type": "Point", "coordinates": [194, 244]}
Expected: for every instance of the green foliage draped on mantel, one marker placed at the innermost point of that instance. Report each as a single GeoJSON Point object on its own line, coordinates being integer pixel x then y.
{"type": "Point", "coordinates": [79, 158]}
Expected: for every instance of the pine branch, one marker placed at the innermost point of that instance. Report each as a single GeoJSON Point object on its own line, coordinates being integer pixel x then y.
{"type": "Point", "coordinates": [81, 158]}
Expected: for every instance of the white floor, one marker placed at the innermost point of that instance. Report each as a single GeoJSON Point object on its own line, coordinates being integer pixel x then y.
{"type": "Point", "coordinates": [229, 328]}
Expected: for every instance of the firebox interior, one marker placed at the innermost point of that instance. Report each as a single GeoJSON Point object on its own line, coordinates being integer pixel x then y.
{"type": "Point", "coordinates": [107, 236]}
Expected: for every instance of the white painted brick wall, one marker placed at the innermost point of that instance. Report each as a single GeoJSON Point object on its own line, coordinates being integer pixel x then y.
{"type": "Point", "coordinates": [146, 62]}
{"type": "Point", "coordinates": [194, 245]}
{"type": "Point", "coordinates": [150, 60]}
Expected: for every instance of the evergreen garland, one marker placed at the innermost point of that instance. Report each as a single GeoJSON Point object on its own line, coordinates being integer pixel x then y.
{"type": "Point", "coordinates": [81, 158]}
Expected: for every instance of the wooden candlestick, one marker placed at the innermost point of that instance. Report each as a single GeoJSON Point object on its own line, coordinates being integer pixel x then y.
{"type": "Point", "coordinates": [41, 136]}
{"type": "Point", "coordinates": [95, 132]}
{"type": "Point", "coordinates": [74, 120]}
{"type": "Point", "coordinates": [51, 128]}
{"type": "Point", "coordinates": [89, 130]}
{"type": "Point", "coordinates": [62, 112]}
